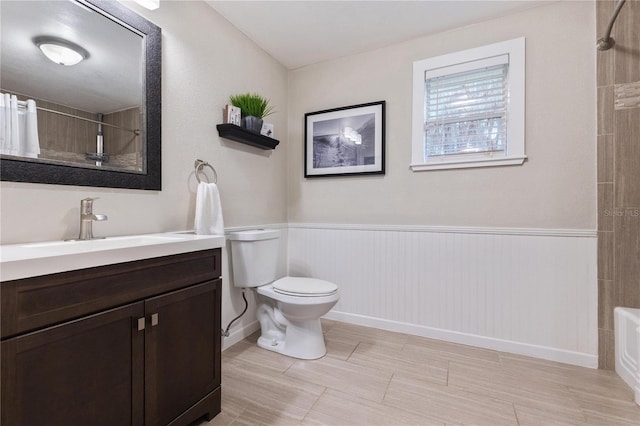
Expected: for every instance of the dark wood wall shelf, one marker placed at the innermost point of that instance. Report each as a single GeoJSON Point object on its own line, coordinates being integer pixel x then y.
{"type": "Point", "coordinates": [238, 134]}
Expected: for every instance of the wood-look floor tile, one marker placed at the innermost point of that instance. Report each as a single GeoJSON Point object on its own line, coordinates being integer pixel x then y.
{"type": "Point", "coordinates": [260, 415]}
{"type": "Point", "coordinates": [356, 333]}
{"type": "Point", "coordinates": [454, 348]}
{"type": "Point", "coordinates": [341, 375]}
{"type": "Point", "coordinates": [394, 360]}
{"type": "Point", "coordinates": [447, 404]}
{"type": "Point", "coordinates": [613, 387]}
{"type": "Point", "coordinates": [445, 351]}
{"type": "Point", "coordinates": [598, 419]}
{"type": "Point", "coordinates": [231, 408]}
{"type": "Point", "coordinates": [553, 412]}
{"type": "Point", "coordinates": [268, 389]}
{"type": "Point", "coordinates": [339, 408]}
{"type": "Point", "coordinates": [222, 419]}
{"type": "Point", "coordinates": [576, 378]}
{"type": "Point", "coordinates": [534, 393]}
{"type": "Point", "coordinates": [375, 377]}
{"type": "Point", "coordinates": [339, 348]}
{"type": "Point", "coordinates": [608, 406]}
{"type": "Point", "coordinates": [251, 352]}
{"type": "Point", "coordinates": [528, 416]}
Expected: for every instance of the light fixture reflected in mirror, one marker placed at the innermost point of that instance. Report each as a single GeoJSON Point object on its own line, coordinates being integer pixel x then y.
{"type": "Point", "coordinates": [149, 4]}
{"type": "Point", "coordinates": [60, 51]}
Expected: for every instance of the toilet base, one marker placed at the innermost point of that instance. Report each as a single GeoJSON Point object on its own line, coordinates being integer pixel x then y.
{"type": "Point", "coordinates": [302, 340]}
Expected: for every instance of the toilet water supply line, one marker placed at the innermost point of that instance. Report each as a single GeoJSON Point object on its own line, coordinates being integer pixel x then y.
{"type": "Point", "coordinates": [225, 333]}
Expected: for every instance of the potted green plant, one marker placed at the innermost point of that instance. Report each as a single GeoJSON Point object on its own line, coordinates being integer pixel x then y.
{"type": "Point", "coordinates": [253, 108]}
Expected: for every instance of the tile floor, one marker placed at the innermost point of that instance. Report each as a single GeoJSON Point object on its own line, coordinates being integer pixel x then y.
{"type": "Point", "coordinates": [376, 377]}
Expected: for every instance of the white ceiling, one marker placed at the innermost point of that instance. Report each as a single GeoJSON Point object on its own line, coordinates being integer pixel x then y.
{"type": "Point", "coordinates": [303, 32]}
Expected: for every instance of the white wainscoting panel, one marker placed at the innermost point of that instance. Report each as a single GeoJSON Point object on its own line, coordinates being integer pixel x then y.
{"type": "Point", "coordinates": [532, 292]}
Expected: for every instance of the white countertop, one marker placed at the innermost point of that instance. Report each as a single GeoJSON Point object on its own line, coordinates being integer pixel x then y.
{"type": "Point", "coordinates": [34, 259]}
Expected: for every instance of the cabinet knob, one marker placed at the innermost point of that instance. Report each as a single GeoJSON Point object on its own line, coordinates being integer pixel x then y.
{"type": "Point", "coordinates": [154, 319]}
{"type": "Point", "coordinates": [141, 324]}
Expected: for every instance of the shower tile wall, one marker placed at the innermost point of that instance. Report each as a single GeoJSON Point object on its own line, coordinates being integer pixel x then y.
{"type": "Point", "coordinates": [123, 142]}
{"type": "Point", "coordinates": [58, 133]}
{"type": "Point", "coordinates": [618, 79]}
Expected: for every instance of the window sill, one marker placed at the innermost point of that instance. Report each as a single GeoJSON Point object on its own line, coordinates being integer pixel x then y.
{"type": "Point", "coordinates": [465, 164]}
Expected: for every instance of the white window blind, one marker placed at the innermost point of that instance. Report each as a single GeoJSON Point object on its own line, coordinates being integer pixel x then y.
{"type": "Point", "coordinates": [468, 108]}
{"type": "Point", "coordinates": [466, 112]}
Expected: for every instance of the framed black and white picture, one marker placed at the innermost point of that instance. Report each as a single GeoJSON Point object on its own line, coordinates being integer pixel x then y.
{"type": "Point", "coordinates": [345, 141]}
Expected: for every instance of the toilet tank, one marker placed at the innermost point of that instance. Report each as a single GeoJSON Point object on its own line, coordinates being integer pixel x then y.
{"type": "Point", "coordinates": [254, 257]}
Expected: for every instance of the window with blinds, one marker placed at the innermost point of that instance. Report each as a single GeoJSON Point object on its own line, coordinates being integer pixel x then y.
{"type": "Point", "coordinates": [468, 108]}
{"type": "Point", "coordinates": [466, 112]}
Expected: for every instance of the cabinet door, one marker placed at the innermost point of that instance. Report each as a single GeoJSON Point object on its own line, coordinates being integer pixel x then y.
{"type": "Point", "coordinates": [182, 352]}
{"type": "Point", "coordinates": [83, 372]}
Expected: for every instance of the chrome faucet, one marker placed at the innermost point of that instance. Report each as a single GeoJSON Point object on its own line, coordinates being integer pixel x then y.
{"type": "Point", "coordinates": [86, 219]}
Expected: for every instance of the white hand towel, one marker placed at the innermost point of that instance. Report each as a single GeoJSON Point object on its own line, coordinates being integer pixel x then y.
{"type": "Point", "coordinates": [208, 220]}
{"type": "Point", "coordinates": [30, 144]}
{"type": "Point", "coordinates": [5, 123]}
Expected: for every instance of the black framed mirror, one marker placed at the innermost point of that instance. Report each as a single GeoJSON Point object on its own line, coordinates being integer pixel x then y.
{"type": "Point", "coordinates": [119, 92]}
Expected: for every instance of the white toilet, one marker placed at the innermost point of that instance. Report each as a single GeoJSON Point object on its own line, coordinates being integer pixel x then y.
{"type": "Point", "coordinates": [289, 308]}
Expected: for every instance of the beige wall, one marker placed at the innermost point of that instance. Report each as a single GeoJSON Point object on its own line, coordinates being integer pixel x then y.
{"type": "Point", "coordinates": [205, 59]}
{"type": "Point", "coordinates": [555, 188]}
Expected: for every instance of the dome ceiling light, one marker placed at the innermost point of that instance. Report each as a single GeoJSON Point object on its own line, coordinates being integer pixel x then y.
{"type": "Point", "coordinates": [61, 51]}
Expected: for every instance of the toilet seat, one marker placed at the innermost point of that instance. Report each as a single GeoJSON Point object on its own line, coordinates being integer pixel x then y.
{"type": "Point", "coordinates": [304, 287]}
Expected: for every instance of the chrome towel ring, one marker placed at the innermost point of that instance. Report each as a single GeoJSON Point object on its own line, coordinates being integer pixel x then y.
{"type": "Point", "coordinates": [199, 165]}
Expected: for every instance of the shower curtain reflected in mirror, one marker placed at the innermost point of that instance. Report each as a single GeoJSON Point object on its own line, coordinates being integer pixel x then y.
{"type": "Point", "coordinates": [18, 127]}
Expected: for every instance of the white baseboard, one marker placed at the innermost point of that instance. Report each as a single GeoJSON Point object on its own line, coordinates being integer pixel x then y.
{"type": "Point", "coordinates": [543, 352]}
{"type": "Point", "coordinates": [239, 334]}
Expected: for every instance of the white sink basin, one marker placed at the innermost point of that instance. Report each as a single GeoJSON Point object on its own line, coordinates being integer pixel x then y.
{"type": "Point", "coordinates": [34, 259]}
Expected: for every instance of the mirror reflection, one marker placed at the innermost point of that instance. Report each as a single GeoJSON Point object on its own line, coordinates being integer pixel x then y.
{"type": "Point", "coordinates": [72, 87]}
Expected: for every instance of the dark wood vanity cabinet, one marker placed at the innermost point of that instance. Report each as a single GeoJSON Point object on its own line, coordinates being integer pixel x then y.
{"type": "Point", "coordinates": [179, 351]}
{"type": "Point", "coordinates": [143, 349]}
{"type": "Point", "coordinates": [87, 371]}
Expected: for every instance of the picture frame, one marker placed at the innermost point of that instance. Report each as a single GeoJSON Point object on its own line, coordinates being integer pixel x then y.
{"type": "Point", "coordinates": [345, 141]}
{"type": "Point", "coordinates": [231, 115]}
{"type": "Point", "coordinates": [267, 130]}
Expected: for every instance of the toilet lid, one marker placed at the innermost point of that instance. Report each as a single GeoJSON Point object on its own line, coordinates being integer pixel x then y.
{"type": "Point", "coordinates": [297, 286]}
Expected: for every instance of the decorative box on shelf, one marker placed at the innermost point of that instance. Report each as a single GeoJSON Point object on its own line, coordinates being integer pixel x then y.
{"type": "Point", "coordinates": [238, 134]}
